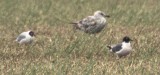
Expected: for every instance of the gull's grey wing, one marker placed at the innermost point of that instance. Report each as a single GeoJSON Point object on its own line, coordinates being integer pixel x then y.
{"type": "Point", "coordinates": [84, 23]}
{"type": "Point", "coordinates": [117, 47]}
{"type": "Point", "coordinates": [20, 37]}
{"type": "Point", "coordinates": [88, 21]}
{"type": "Point", "coordinates": [92, 24]}
{"type": "Point", "coordinates": [94, 28]}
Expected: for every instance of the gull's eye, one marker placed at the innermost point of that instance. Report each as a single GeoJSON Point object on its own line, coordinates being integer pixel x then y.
{"type": "Point", "coordinates": [101, 13]}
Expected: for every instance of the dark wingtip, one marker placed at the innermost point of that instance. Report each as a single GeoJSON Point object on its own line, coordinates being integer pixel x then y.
{"type": "Point", "coordinates": [109, 47]}
{"type": "Point", "coordinates": [72, 23]}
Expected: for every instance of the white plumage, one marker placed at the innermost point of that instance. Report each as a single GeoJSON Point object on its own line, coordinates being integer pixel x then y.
{"type": "Point", "coordinates": [122, 49]}
{"type": "Point", "coordinates": [25, 37]}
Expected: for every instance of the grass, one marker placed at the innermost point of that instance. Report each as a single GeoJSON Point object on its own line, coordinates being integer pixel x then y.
{"type": "Point", "coordinates": [58, 50]}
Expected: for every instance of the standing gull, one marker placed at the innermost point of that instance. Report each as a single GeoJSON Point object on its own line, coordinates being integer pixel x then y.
{"type": "Point", "coordinates": [122, 49]}
{"type": "Point", "coordinates": [92, 24]}
{"type": "Point", "coordinates": [25, 37]}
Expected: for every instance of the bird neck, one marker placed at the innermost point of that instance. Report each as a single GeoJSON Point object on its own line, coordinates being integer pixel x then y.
{"type": "Point", "coordinates": [98, 16]}
{"type": "Point", "coordinates": [126, 43]}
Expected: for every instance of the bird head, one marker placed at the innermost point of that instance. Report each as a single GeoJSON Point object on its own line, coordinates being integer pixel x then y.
{"type": "Point", "coordinates": [127, 39]}
{"type": "Point", "coordinates": [31, 33]}
{"type": "Point", "coordinates": [100, 13]}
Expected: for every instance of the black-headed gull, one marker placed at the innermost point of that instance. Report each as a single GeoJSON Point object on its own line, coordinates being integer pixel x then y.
{"type": "Point", "coordinates": [122, 49]}
{"type": "Point", "coordinates": [92, 24]}
{"type": "Point", "coordinates": [26, 37]}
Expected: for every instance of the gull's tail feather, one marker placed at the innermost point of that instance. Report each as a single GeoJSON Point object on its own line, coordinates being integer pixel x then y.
{"type": "Point", "coordinates": [109, 47]}
{"type": "Point", "coordinates": [79, 22]}
{"type": "Point", "coordinates": [73, 23]}
{"type": "Point", "coordinates": [75, 26]}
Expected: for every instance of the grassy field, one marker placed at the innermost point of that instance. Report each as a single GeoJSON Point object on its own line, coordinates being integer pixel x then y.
{"type": "Point", "coordinates": [58, 50]}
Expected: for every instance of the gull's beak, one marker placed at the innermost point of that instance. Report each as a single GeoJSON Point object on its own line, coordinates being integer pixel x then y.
{"type": "Point", "coordinates": [107, 16]}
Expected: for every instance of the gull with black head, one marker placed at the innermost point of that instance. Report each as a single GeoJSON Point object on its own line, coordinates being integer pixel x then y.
{"type": "Point", "coordinates": [25, 37]}
{"type": "Point", "coordinates": [122, 49]}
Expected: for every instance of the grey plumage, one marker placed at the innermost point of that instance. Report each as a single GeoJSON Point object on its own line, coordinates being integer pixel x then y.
{"type": "Point", "coordinates": [117, 47]}
{"type": "Point", "coordinates": [91, 24]}
{"type": "Point", "coordinates": [20, 37]}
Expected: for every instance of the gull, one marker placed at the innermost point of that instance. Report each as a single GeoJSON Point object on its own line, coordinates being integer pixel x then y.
{"type": "Point", "coordinates": [122, 49]}
{"type": "Point", "coordinates": [25, 37]}
{"type": "Point", "coordinates": [92, 24]}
